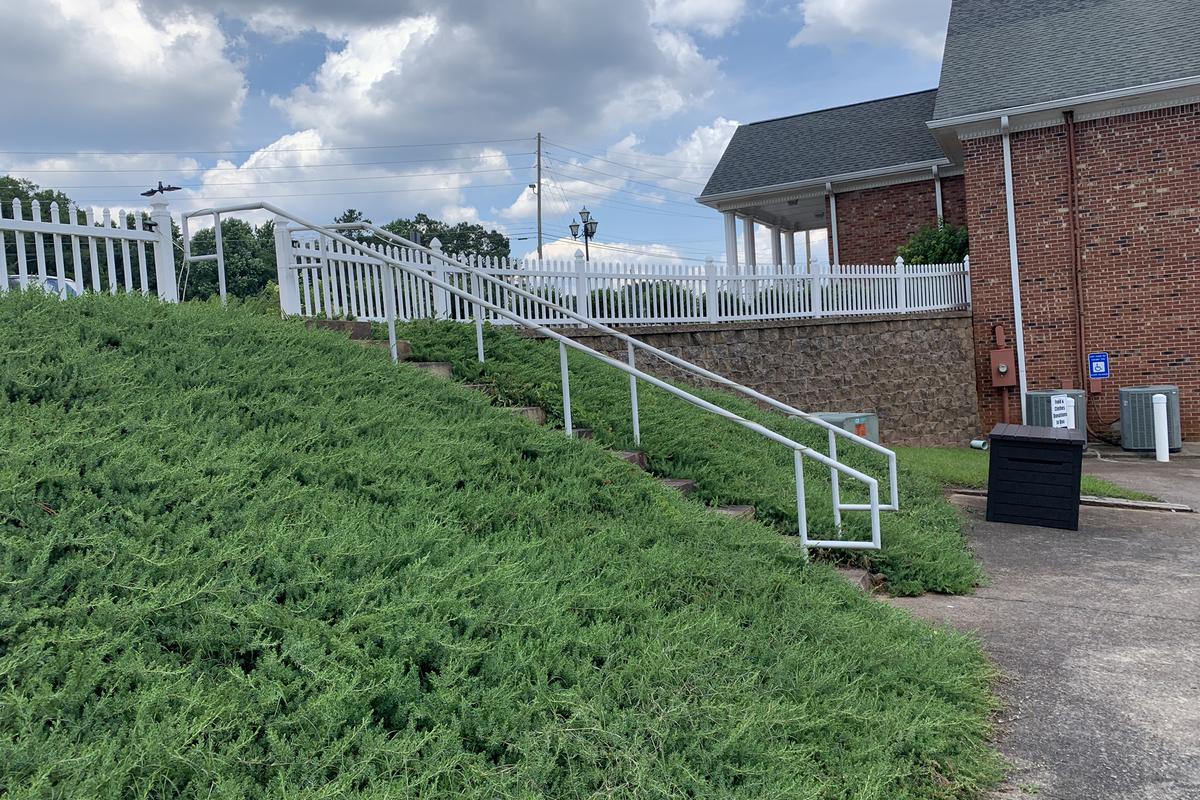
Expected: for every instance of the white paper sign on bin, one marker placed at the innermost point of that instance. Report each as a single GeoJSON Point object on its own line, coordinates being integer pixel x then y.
{"type": "Point", "coordinates": [1062, 411]}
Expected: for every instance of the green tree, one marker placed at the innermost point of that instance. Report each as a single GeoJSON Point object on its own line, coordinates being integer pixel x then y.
{"type": "Point", "coordinates": [463, 238]}
{"type": "Point", "coordinates": [351, 215]}
{"type": "Point", "coordinates": [249, 260]}
{"type": "Point", "coordinates": [26, 191]}
{"type": "Point", "coordinates": [943, 243]}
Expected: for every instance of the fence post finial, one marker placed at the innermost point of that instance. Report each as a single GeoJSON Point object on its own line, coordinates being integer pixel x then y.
{"type": "Point", "coordinates": [164, 252]}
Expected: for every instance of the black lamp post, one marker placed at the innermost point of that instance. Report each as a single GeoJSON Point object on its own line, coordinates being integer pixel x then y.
{"type": "Point", "coordinates": [589, 231]}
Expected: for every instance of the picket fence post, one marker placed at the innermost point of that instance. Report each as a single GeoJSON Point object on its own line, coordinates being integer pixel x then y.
{"type": "Point", "coordinates": [901, 286]}
{"type": "Point", "coordinates": [713, 298]}
{"type": "Point", "coordinates": [289, 290]}
{"type": "Point", "coordinates": [164, 253]}
{"type": "Point", "coordinates": [814, 288]}
{"type": "Point", "coordinates": [583, 303]}
{"type": "Point", "coordinates": [441, 298]}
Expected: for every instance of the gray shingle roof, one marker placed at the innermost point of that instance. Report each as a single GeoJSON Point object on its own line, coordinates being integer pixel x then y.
{"type": "Point", "coordinates": [836, 141]}
{"type": "Point", "coordinates": [1005, 53]}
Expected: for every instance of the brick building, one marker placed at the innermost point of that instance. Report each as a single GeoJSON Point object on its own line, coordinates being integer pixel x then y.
{"type": "Point", "coordinates": [1066, 136]}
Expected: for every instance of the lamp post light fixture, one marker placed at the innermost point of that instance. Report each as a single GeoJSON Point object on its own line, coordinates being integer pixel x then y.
{"type": "Point", "coordinates": [589, 230]}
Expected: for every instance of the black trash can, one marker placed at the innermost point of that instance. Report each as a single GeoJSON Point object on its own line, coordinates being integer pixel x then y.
{"type": "Point", "coordinates": [1034, 476]}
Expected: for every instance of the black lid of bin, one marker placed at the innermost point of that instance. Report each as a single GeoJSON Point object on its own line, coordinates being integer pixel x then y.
{"type": "Point", "coordinates": [1030, 433]}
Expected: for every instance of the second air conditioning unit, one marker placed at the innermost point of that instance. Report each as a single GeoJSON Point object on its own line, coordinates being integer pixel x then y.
{"type": "Point", "coordinates": [1137, 417]}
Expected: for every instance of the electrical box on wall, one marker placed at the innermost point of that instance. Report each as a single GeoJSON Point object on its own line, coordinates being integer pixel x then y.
{"type": "Point", "coordinates": [1004, 367]}
{"type": "Point", "coordinates": [862, 424]}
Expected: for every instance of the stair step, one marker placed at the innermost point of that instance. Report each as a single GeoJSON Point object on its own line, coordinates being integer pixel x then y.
{"type": "Point", "coordinates": [485, 388]}
{"type": "Point", "coordinates": [443, 369]}
{"type": "Point", "coordinates": [535, 414]}
{"type": "Point", "coordinates": [358, 330]}
{"type": "Point", "coordinates": [737, 512]}
{"type": "Point", "coordinates": [403, 349]}
{"type": "Point", "coordinates": [684, 486]}
{"type": "Point", "coordinates": [635, 457]}
{"type": "Point", "coordinates": [584, 433]}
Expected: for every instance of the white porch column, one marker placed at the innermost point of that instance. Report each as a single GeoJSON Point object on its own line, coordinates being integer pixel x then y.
{"type": "Point", "coordinates": [776, 248]}
{"type": "Point", "coordinates": [731, 248]}
{"type": "Point", "coordinates": [789, 251]}
{"type": "Point", "coordinates": [807, 252]}
{"type": "Point", "coordinates": [833, 233]}
{"type": "Point", "coordinates": [937, 193]}
{"type": "Point", "coordinates": [748, 236]}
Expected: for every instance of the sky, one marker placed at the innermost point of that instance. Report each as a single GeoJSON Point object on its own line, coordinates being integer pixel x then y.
{"type": "Point", "coordinates": [395, 107]}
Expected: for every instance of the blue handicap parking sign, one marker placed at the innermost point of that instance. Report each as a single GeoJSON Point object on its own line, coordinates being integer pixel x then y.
{"type": "Point", "coordinates": [1098, 364]}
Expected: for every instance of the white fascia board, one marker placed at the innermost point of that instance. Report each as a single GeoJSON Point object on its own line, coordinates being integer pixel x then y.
{"type": "Point", "coordinates": [1096, 105]}
{"type": "Point", "coordinates": [924, 167]}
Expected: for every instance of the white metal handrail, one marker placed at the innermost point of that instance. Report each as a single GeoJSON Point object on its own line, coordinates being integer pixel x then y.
{"type": "Point", "coordinates": [633, 344]}
{"type": "Point", "coordinates": [799, 450]}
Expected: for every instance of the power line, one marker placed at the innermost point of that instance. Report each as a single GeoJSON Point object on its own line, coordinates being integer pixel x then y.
{"type": "Point", "coordinates": [623, 178]}
{"type": "Point", "coordinates": [301, 180]}
{"type": "Point", "coordinates": [334, 194]}
{"type": "Point", "coordinates": [254, 150]}
{"type": "Point", "coordinates": [646, 208]}
{"type": "Point", "coordinates": [172, 170]}
{"type": "Point", "coordinates": [647, 155]}
{"type": "Point", "coordinates": [628, 166]}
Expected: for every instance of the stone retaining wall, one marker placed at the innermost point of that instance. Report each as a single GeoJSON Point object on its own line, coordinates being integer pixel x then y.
{"type": "Point", "coordinates": [916, 372]}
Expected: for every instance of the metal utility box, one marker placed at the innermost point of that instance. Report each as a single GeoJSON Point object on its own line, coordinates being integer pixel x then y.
{"type": "Point", "coordinates": [862, 424]}
{"type": "Point", "coordinates": [1034, 476]}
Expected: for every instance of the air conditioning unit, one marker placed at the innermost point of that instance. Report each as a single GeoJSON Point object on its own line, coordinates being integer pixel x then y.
{"type": "Point", "coordinates": [863, 424]}
{"type": "Point", "coordinates": [1037, 407]}
{"type": "Point", "coordinates": [1137, 417]}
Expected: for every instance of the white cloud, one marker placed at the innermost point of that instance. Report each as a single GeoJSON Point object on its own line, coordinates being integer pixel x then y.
{"type": "Point", "coordinates": [101, 74]}
{"type": "Point", "coordinates": [916, 25]}
{"type": "Point", "coordinates": [626, 252]}
{"type": "Point", "coordinates": [712, 17]}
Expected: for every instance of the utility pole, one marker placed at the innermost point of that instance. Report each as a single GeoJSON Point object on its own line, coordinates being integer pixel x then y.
{"type": "Point", "coordinates": [539, 194]}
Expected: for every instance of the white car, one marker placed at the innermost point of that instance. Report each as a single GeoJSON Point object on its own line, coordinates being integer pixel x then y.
{"type": "Point", "coordinates": [49, 285]}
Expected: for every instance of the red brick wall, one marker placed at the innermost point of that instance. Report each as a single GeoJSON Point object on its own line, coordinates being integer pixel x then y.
{"type": "Point", "coordinates": [873, 223]}
{"type": "Point", "coordinates": [1139, 234]}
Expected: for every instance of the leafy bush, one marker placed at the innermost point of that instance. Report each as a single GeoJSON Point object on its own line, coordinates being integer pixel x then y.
{"type": "Point", "coordinates": [244, 559]}
{"type": "Point", "coordinates": [944, 243]}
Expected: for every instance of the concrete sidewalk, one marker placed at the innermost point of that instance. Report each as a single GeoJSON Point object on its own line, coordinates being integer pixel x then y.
{"type": "Point", "coordinates": [1098, 634]}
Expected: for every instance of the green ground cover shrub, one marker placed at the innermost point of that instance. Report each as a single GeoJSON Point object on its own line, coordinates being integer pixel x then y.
{"type": "Point", "coordinates": [924, 549]}
{"type": "Point", "coordinates": [239, 558]}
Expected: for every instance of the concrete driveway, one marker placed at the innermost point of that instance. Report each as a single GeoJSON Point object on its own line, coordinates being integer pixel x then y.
{"type": "Point", "coordinates": [1098, 635]}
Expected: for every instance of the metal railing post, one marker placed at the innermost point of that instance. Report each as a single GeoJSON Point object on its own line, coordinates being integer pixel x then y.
{"type": "Point", "coordinates": [389, 309]}
{"type": "Point", "coordinates": [835, 488]}
{"type": "Point", "coordinates": [220, 243]}
{"type": "Point", "coordinates": [801, 503]}
{"type": "Point", "coordinates": [477, 312]}
{"type": "Point", "coordinates": [633, 399]}
{"type": "Point", "coordinates": [566, 388]}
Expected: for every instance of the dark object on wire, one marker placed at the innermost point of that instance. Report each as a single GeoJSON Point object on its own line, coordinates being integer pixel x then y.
{"type": "Point", "coordinates": [160, 190]}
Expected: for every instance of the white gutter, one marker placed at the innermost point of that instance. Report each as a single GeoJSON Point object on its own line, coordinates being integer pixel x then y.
{"type": "Point", "coordinates": [1067, 102]}
{"type": "Point", "coordinates": [1013, 263]}
{"type": "Point", "coordinates": [819, 183]}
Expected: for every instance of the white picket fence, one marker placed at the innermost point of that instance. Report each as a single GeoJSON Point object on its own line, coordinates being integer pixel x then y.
{"type": "Point", "coordinates": [331, 281]}
{"type": "Point", "coordinates": [74, 250]}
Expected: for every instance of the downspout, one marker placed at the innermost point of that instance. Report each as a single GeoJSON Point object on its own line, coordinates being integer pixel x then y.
{"type": "Point", "coordinates": [1076, 267]}
{"type": "Point", "coordinates": [1013, 263]}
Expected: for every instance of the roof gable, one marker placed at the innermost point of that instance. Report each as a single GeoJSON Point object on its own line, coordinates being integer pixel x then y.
{"type": "Point", "coordinates": [1008, 53]}
{"type": "Point", "coordinates": [835, 141]}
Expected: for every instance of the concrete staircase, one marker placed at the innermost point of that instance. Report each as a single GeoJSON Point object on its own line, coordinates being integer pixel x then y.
{"type": "Point", "coordinates": [537, 415]}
